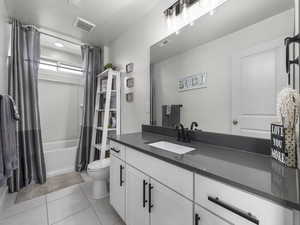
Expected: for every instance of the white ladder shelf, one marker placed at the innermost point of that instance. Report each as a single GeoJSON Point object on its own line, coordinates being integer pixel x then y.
{"type": "Point", "coordinates": [102, 115]}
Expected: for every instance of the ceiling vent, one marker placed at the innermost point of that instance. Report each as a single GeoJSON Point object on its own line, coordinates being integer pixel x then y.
{"type": "Point", "coordinates": [84, 24]}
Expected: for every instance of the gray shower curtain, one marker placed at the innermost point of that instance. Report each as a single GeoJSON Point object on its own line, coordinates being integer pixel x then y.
{"type": "Point", "coordinates": [23, 87]}
{"type": "Point", "coordinates": [92, 65]}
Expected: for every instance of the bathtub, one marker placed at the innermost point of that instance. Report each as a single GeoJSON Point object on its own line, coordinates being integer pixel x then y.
{"type": "Point", "coordinates": [60, 157]}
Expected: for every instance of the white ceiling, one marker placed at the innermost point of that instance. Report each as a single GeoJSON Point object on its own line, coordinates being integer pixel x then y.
{"type": "Point", "coordinates": [112, 17]}
{"type": "Point", "coordinates": [228, 18]}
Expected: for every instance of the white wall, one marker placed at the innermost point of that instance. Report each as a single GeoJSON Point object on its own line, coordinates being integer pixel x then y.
{"type": "Point", "coordinates": [134, 46]}
{"type": "Point", "coordinates": [211, 107]}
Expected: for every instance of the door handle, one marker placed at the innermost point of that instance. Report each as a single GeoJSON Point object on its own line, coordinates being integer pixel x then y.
{"type": "Point", "coordinates": [197, 219]}
{"type": "Point", "coordinates": [121, 175]}
{"type": "Point", "coordinates": [144, 193]}
{"type": "Point", "coordinates": [150, 205]}
{"type": "Point", "coordinates": [239, 212]}
{"type": "Point", "coordinates": [115, 150]}
{"type": "Point", "coordinates": [235, 122]}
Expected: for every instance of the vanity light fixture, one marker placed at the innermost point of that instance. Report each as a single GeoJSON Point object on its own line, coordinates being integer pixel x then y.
{"type": "Point", "coordinates": [184, 12]}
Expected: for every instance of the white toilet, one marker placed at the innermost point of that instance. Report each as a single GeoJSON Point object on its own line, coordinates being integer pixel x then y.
{"type": "Point", "coordinates": [99, 171]}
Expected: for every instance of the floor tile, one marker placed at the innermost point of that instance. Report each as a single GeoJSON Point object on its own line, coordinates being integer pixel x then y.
{"type": "Point", "coordinates": [86, 177]}
{"type": "Point", "coordinates": [67, 206]}
{"type": "Point", "coordinates": [87, 188]}
{"type": "Point", "coordinates": [86, 217]}
{"type": "Point", "coordinates": [34, 216]}
{"type": "Point", "coordinates": [9, 200]}
{"type": "Point", "coordinates": [21, 207]}
{"type": "Point", "coordinates": [62, 193]}
{"type": "Point", "coordinates": [105, 212]}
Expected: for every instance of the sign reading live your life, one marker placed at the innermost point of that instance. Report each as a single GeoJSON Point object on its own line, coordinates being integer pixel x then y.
{"type": "Point", "coordinates": [192, 82]}
{"type": "Point", "coordinates": [278, 143]}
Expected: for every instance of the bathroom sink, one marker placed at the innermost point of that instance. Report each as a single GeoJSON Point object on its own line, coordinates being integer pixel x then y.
{"type": "Point", "coordinates": [178, 149]}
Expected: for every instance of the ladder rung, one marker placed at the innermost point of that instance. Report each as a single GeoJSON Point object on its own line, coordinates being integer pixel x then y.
{"type": "Point", "coordinates": [109, 129]}
{"type": "Point", "coordinates": [104, 92]}
{"type": "Point", "coordinates": [102, 110]}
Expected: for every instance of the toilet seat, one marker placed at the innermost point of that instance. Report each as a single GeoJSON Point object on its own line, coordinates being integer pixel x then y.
{"type": "Point", "coordinates": [99, 164]}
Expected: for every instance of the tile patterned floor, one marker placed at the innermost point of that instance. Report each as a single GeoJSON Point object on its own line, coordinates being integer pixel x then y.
{"type": "Point", "coordinates": [69, 206]}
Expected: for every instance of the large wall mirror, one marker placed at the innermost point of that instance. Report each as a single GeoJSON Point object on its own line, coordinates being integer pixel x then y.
{"type": "Point", "coordinates": [224, 70]}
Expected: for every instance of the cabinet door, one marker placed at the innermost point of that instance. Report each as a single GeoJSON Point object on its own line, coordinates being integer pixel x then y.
{"type": "Point", "coordinates": [136, 197]}
{"type": "Point", "coordinates": [203, 217]}
{"type": "Point", "coordinates": [117, 185]}
{"type": "Point", "coordinates": [168, 207]}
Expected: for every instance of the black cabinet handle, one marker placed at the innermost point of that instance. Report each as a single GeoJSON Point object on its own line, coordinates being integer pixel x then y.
{"type": "Point", "coordinates": [121, 175]}
{"type": "Point", "coordinates": [115, 150]}
{"type": "Point", "coordinates": [197, 219]}
{"type": "Point", "coordinates": [144, 193]}
{"type": "Point", "coordinates": [150, 205]}
{"type": "Point", "coordinates": [245, 215]}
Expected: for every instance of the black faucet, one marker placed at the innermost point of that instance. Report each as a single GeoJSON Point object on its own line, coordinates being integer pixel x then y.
{"type": "Point", "coordinates": [194, 124]}
{"type": "Point", "coordinates": [181, 135]}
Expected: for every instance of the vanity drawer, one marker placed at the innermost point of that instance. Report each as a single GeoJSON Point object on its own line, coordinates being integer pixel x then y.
{"type": "Point", "coordinates": [176, 178]}
{"type": "Point", "coordinates": [235, 205]}
{"type": "Point", "coordinates": [117, 150]}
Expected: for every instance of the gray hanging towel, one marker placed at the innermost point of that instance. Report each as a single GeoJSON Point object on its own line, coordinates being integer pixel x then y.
{"type": "Point", "coordinates": [170, 115]}
{"type": "Point", "coordinates": [8, 138]}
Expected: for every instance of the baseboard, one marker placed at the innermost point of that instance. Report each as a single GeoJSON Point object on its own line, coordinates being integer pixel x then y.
{"type": "Point", "coordinates": [3, 193]}
{"type": "Point", "coordinates": [60, 172]}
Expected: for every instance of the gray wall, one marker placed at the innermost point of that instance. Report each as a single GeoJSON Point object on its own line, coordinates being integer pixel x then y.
{"type": "Point", "coordinates": [4, 37]}
{"type": "Point", "coordinates": [3, 59]}
{"type": "Point", "coordinates": [211, 107]}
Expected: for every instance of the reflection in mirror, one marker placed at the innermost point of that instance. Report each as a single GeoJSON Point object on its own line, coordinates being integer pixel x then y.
{"type": "Point", "coordinates": [223, 70]}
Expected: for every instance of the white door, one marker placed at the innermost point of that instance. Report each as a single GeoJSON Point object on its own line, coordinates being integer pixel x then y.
{"type": "Point", "coordinates": [204, 217]}
{"type": "Point", "coordinates": [136, 197]}
{"type": "Point", "coordinates": [258, 76]}
{"type": "Point", "coordinates": [169, 207]}
{"type": "Point", "coordinates": [117, 186]}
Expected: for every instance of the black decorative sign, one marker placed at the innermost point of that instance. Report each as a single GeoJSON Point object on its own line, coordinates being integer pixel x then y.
{"type": "Point", "coordinates": [278, 143]}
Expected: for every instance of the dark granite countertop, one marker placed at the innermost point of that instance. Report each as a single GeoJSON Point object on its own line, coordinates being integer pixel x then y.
{"type": "Point", "coordinates": [255, 173]}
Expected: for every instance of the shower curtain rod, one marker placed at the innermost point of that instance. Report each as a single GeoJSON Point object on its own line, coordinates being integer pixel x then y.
{"type": "Point", "coordinates": [79, 43]}
{"type": "Point", "coordinates": [55, 36]}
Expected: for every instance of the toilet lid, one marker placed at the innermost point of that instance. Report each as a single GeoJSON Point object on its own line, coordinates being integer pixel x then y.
{"type": "Point", "coordinates": [99, 164]}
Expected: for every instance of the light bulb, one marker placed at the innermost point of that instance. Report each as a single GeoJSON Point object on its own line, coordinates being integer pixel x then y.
{"type": "Point", "coordinates": [185, 13]}
{"type": "Point", "coordinates": [212, 12]}
{"type": "Point", "coordinates": [169, 22]}
{"type": "Point", "coordinates": [192, 23]}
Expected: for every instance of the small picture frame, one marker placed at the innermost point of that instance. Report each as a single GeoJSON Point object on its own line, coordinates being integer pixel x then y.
{"type": "Point", "coordinates": [130, 82]}
{"type": "Point", "coordinates": [129, 97]}
{"type": "Point", "coordinates": [129, 68]}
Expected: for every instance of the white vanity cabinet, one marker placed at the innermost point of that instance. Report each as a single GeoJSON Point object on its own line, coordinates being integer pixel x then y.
{"type": "Point", "coordinates": [117, 185]}
{"type": "Point", "coordinates": [237, 206]}
{"type": "Point", "coordinates": [169, 207]}
{"type": "Point", "coordinates": [149, 202]}
{"type": "Point", "coordinates": [145, 190]}
{"type": "Point", "coordinates": [204, 217]}
{"type": "Point", "coordinates": [136, 204]}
